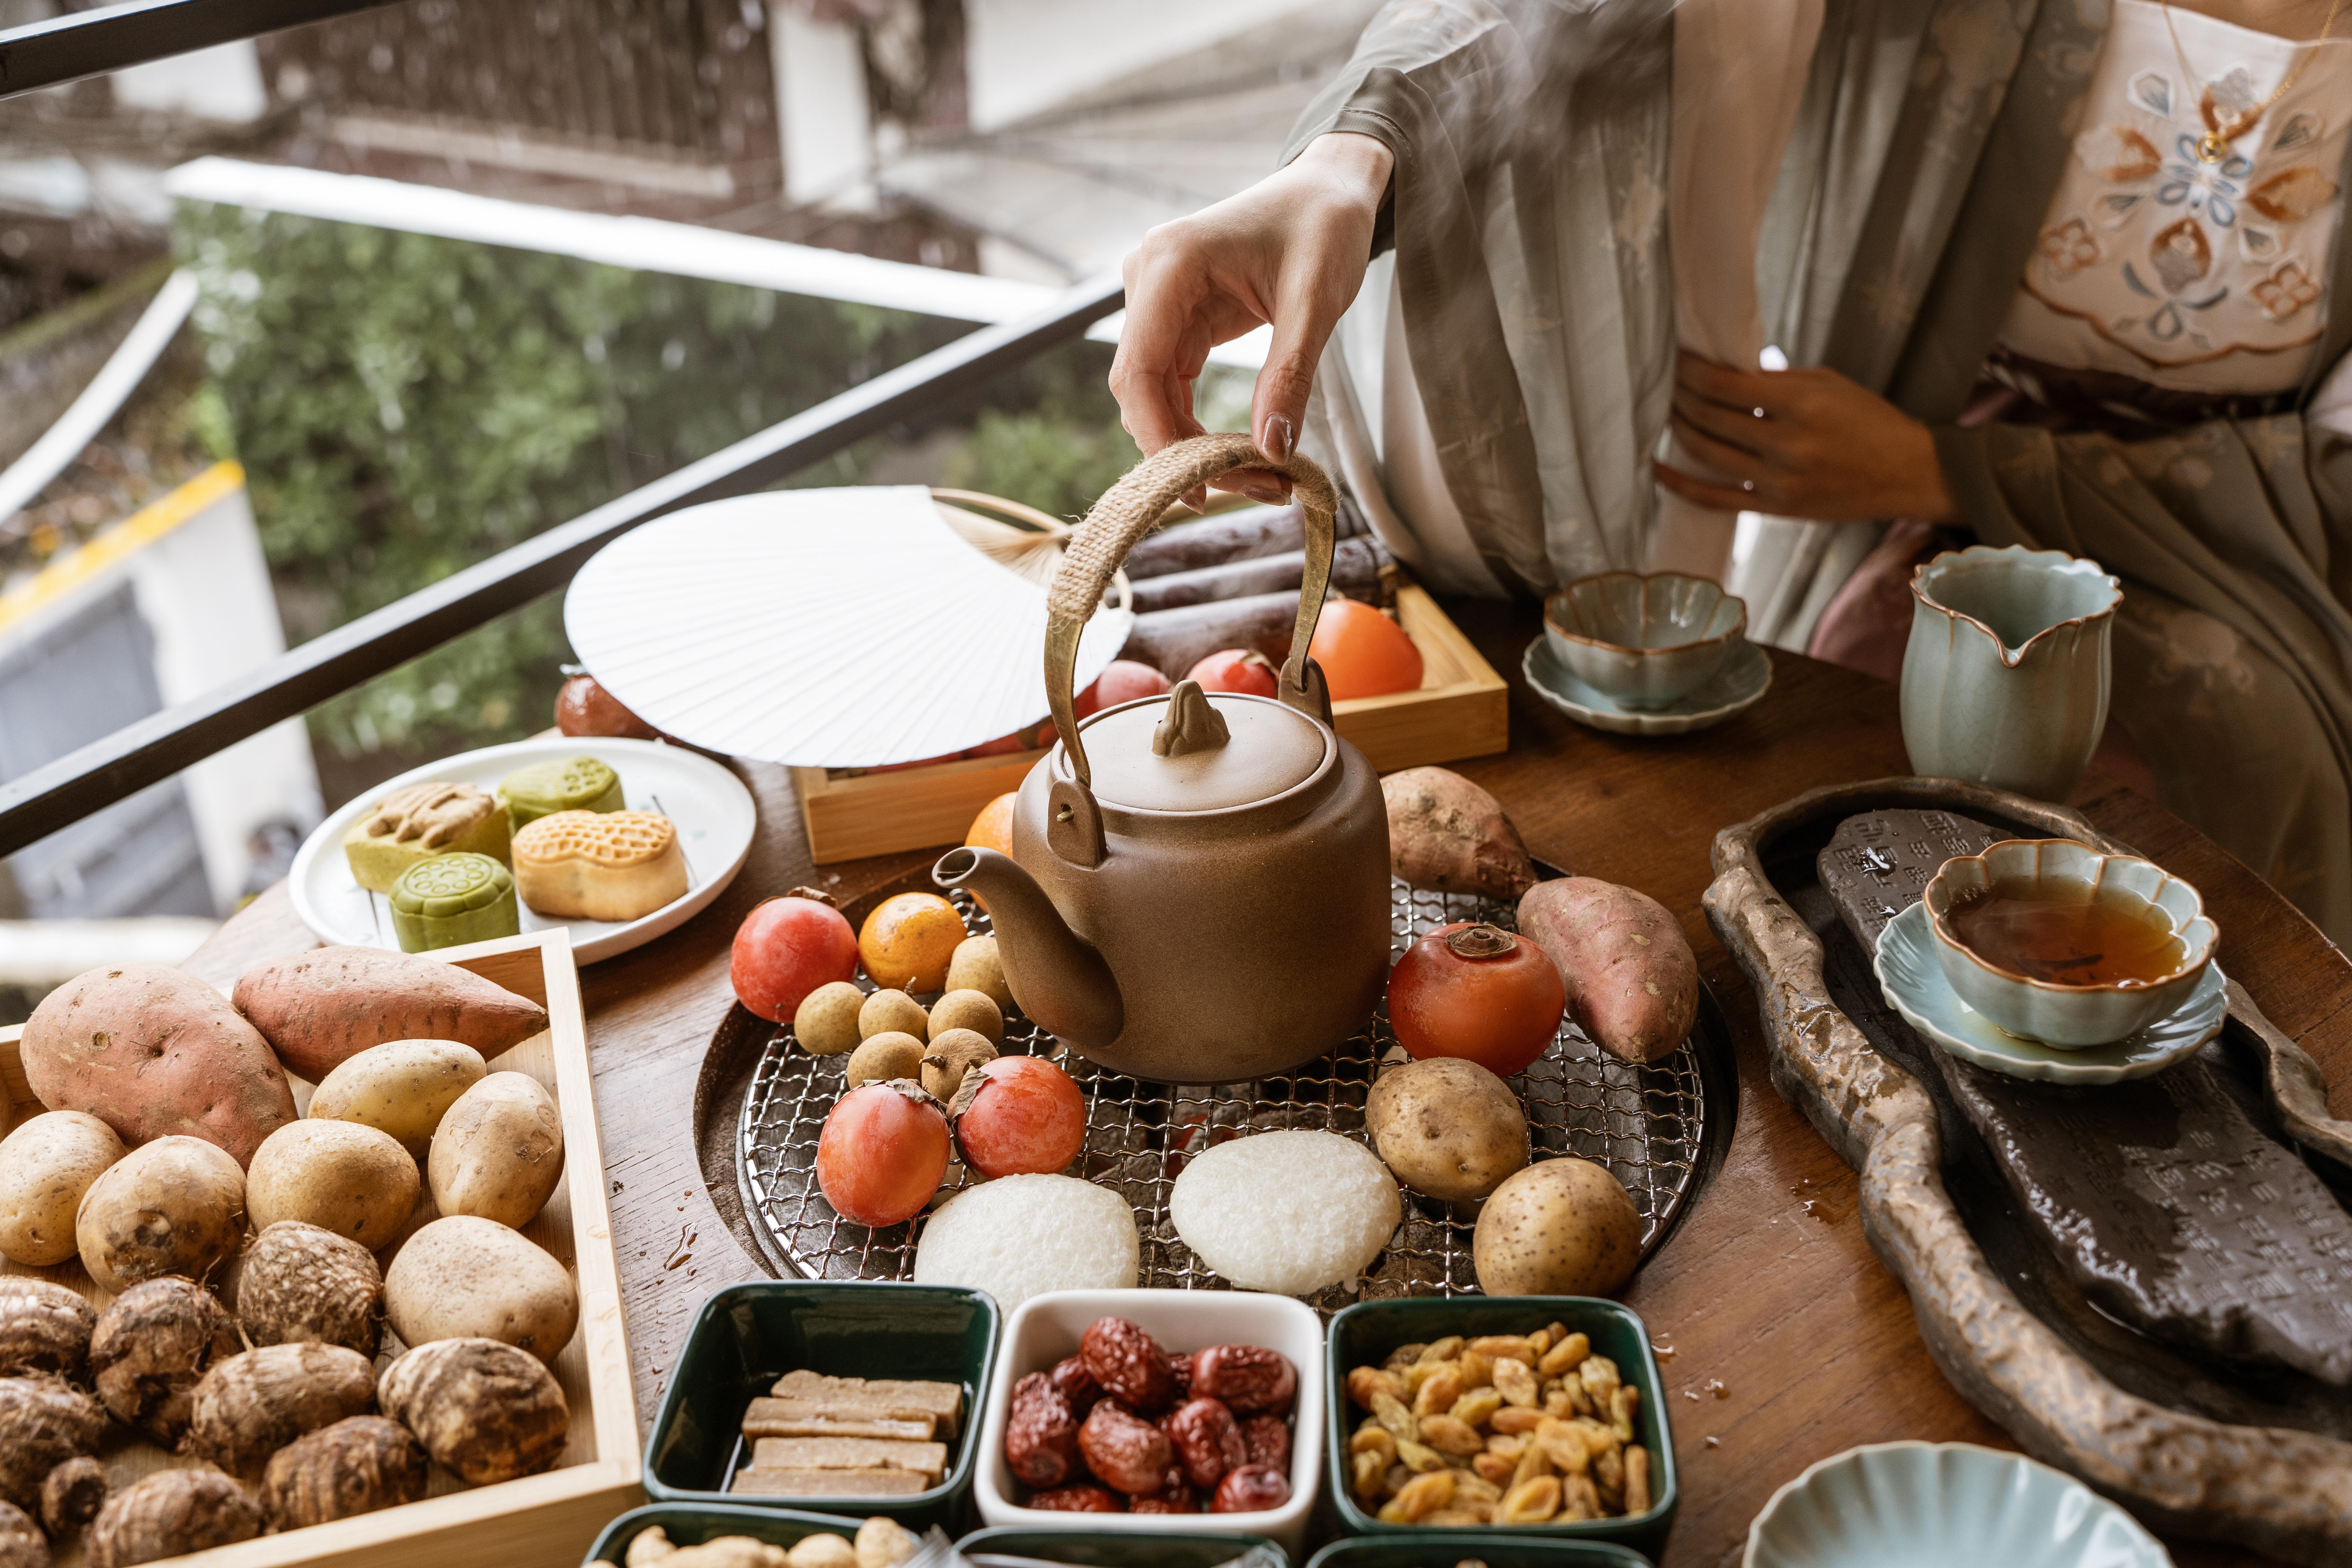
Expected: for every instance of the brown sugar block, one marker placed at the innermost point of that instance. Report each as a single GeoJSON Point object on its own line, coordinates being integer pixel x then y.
{"type": "Point", "coordinates": [766, 1482]}
{"type": "Point", "coordinates": [943, 1402]}
{"type": "Point", "coordinates": [849, 1454]}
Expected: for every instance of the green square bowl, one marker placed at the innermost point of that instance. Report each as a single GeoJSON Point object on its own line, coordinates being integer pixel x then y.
{"type": "Point", "coordinates": [691, 1525]}
{"type": "Point", "coordinates": [747, 1336]}
{"type": "Point", "coordinates": [1102, 1549]}
{"type": "Point", "coordinates": [1438, 1548]}
{"type": "Point", "coordinates": [1366, 1333]}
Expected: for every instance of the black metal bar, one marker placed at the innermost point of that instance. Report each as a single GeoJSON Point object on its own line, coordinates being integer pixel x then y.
{"type": "Point", "coordinates": [91, 43]}
{"type": "Point", "coordinates": [155, 748]}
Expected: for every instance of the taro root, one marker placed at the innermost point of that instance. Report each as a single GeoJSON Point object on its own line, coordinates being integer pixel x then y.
{"type": "Point", "coordinates": [44, 1422]}
{"type": "Point", "coordinates": [250, 1405]}
{"type": "Point", "coordinates": [151, 1348]}
{"type": "Point", "coordinates": [72, 1495]}
{"type": "Point", "coordinates": [356, 1466]}
{"type": "Point", "coordinates": [486, 1410]}
{"type": "Point", "coordinates": [44, 1327]}
{"type": "Point", "coordinates": [22, 1544]}
{"type": "Point", "coordinates": [302, 1282]}
{"type": "Point", "coordinates": [170, 1514]}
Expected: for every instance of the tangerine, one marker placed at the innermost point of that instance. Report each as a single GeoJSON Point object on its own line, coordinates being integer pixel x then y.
{"type": "Point", "coordinates": [908, 940]}
{"type": "Point", "coordinates": [1363, 652]}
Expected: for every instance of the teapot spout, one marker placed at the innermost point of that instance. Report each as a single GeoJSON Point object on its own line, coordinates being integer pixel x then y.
{"type": "Point", "coordinates": [1058, 980]}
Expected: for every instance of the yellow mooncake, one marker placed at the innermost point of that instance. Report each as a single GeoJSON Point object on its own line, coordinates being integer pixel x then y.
{"type": "Point", "coordinates": [598, 864]}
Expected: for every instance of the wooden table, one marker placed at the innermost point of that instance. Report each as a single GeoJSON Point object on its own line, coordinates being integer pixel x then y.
{"type": "Point", "coordinates": [1788, 1341]}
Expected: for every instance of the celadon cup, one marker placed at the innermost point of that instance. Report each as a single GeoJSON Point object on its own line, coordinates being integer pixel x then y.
{"type": "Point", "coordinates": [2006, 678]}
{"type": "Point", "coordinates": [2070, 1018]}
{"type": "Point", "coordinates": [1643, 642]}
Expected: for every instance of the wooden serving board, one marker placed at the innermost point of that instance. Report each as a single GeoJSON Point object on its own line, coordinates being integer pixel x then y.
{"type": "Point", "coordinates": [550, 1519]}
{"type": "Point", "coordinates": [1462, 710]}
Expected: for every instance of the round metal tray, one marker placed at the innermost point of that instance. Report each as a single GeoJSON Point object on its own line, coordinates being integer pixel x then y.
{"type": "Point", "coordinates": [1648, 1125]}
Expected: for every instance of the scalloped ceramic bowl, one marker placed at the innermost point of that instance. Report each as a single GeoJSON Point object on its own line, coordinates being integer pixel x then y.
{"type": "Point", "coordinates": [1643, 641]}
{"type": "Point", "coordinates": [1944, 1505]}
{"type": "Point", "coordinates": [2070, 1018]}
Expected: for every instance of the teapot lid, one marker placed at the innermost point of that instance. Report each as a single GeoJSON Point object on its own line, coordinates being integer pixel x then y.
{"type": "Point", "coordinates": [1201, 752]}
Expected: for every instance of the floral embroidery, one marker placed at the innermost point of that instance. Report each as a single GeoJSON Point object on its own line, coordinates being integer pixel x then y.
{"type": "Point", "coordinates": [2117, 152]}
{"type": "Point", "coordinates": [2154, 91]}
{"type": "Point", "coordinates": [2209, 188]}
{"type": "Point", "coordinates": [2285, 292]}
{"type": "Point", "coordinates": [2294, 195]}
{"type": "Point", "coordinates": [2070, 246]}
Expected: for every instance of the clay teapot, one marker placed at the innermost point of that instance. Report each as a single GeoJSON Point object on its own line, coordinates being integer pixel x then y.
{"type": "Point", "coordinates": [1199, 885]}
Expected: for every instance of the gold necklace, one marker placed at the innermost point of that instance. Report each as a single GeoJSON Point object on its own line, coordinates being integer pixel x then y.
{"type": "Point", "coordinates": [2214, 145]}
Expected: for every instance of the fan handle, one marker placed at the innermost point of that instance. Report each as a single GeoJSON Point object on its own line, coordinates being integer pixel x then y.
{"type": "Point", "coordinates": [1132, 508]}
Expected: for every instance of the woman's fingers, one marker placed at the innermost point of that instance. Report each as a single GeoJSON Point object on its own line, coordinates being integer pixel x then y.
{"type": "Point", "coordinates": [1733, 464]}
{"type": "Point", "coordinates": [1749, 392]}
{"type": "Point", "coordinates": [1731, 427]}
{"type": "Point", "coordinates": [1690, 488]}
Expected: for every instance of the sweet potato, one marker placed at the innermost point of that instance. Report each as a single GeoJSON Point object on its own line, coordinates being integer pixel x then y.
{"type": "Point", "coordinates": [1447, 835]}
{"type": "Point", "coordinates": [152, 1051]}
{"type": "Point", "coordinates": [1631, 980]}
{"type": "Point", "coordinates": [323, 1008]}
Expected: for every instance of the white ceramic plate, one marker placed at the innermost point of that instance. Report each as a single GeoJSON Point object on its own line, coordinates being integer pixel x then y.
{"type": "Point", "coordinates": [1740, 684]}
{"type": "Point", "coordinates": [1914, 986]}
{"type": "Point", "coordinates": [1944, 1505]}
{"type": "Point", "coordinates": [712, 810]}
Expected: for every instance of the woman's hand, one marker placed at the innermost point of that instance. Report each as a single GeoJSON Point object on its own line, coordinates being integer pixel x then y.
{"type": "Point", "coordinates": [1290, 250]}
{"type": "Point", "coordinates": [1801, 443]}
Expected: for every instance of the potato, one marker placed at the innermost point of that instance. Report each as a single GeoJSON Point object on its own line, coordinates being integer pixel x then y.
{"type": "Point", "coordinates": [1559, 1227]}
{"type": "Point", "coordinates": [46, 1166]}
{"type": "Point", "coordinates": [323, 1008]}
{"type": "Point", "coordinates": [173, 1206]}
{"type": "Point", "coordinates": [464, 1276]}
{"type": "Point", "coordinates": [1447, 835]}
{"type": "Point", "coordinates": [482, 1408]}
{"type": "Point", "coordinates": [402, 1087]}
{"type": "Point", "coordinates": [1631, 980]}
{"type": "Point", "coordinates": [500, 1150]}
{"type": "Point", "coordinates": [1447, 1128]}
{"type": "Point", "coordinates": [337, 1175]}
{"type": "Point", "coordinates": [250, 1405]}
{"type": "Point", "coordinates": [154, 1052]}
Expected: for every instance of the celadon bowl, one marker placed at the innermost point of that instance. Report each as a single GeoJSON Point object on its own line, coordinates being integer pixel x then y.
{"type": "Point", "coordinates": [1944, 1505]}
{"type": "Point", "coordinates": [2070, 1018]}
{"type": "Point", "coordinates": [1643, 641]}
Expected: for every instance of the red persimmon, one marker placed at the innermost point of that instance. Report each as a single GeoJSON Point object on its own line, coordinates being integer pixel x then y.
{"type": "Point", "coordinates": [882, 1154]}
{"type": "Point", "coordinates": [1123, 681]}
{"type": "Point", "coordinates": [1479, 993]}
{"type": "Point", "coordinates": [1363, 652]}
{"type": "Point", "coordinates": [1021, 1115]}
{"type": "Point", "coordinates": [1234, 669]}
{"type": "Point", "coordinates": [786, 948]}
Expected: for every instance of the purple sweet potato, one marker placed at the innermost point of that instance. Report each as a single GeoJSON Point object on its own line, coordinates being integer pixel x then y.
{"type": "Point", "coordinates": [1449, 836]}
{"type": "Point", "coordinates": [152, 1051]}
{"type": "Point", "coordinates": [321, 1008]}
{"type": "Point", "coordinates": [1631, 979]}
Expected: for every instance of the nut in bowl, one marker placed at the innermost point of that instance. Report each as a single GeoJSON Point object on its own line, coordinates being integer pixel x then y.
{"type": "Point", "coordinates": [1643, 641]}
{"type": "Point", "coordinates": [2056, 941]}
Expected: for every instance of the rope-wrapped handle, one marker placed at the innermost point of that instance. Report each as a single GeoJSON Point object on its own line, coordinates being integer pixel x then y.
{"type": "Point", "coordinates": [1128, 511]}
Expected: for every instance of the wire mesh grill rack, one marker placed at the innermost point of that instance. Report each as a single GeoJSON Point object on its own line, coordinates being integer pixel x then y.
{"type": "Point", "coordinates": [1645, 1123]}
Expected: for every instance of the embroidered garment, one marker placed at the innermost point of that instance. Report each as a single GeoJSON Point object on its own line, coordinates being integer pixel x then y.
{"type": "Point", "coordinates": [2188, 266]}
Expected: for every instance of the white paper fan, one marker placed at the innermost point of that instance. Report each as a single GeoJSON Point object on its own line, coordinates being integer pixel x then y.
{"type": "Point", "coordinates": [822, 629]}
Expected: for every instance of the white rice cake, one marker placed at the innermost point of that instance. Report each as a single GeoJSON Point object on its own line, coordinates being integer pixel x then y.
{"type": "Point", "coordinates": [1291, 1213]}
{"type": "Point", "coordinates": [1019, 1236]}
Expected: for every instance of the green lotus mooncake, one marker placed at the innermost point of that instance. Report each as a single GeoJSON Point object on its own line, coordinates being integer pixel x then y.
{"type": "Point", "coordinates": [542, 789]}
{"type": "Point", "coordinates": [451, 900]}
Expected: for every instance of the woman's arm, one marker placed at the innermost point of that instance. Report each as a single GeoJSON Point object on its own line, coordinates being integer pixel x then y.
{"type": "Point", "coordinates": [1290, 250]}
{"type": "Point", "coordinates": [1802, 443]}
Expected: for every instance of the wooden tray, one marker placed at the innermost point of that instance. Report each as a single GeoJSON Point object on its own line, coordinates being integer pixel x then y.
{"type": "Point", "coordinates": [1462, 710]}
{"type": "Point", "coordinates": [549, 1518]}
{"type": "Point", "coordinates": [2074, 1388]}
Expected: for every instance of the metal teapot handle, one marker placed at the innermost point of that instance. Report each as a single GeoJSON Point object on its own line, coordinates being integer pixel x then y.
{"type": "Point", "coordinates": [1122, 516]}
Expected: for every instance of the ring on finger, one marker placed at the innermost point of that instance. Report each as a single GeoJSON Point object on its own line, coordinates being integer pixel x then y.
{"type": "Point", "coordinates": [1747, 485]}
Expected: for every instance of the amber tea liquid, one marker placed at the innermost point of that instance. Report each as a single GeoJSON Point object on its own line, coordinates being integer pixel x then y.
{"type": "Point", "coordinates": [2069, 933]}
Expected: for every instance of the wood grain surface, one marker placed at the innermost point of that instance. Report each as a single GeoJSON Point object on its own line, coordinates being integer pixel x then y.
{"type": "Point", "coordinates": [1783, 1340]}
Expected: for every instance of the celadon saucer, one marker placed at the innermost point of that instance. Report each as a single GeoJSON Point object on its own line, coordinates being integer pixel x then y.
{"type": "Point", "coordinates": [1916, 987]}
{"type": "Point", "coordinates": [1745, 674]}
{"type": "Point", "coordinates": [1944, 1505]}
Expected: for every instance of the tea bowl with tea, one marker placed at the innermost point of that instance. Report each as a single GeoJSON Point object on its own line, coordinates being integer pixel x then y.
{"type": "Point", "coordinates": [2056, 941]}
{"type": "Point", "coordinates": [1643, 642]}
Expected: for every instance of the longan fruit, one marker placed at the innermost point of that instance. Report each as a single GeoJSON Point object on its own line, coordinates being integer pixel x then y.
{"type": "Point", "coordinates": [886, 1011]}
{"type": "Point", "coordinates": [974, 1010]}
{"type": "Point", "coordinates": [886, 1056]}
{"type": "Point", "coordinates": [827, 1022]}
{"type": "Point", "coordinates": [976, 967]}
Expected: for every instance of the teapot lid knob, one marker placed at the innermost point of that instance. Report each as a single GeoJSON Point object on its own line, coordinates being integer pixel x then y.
{"type": "Point", "coordinates": [1190, 723]}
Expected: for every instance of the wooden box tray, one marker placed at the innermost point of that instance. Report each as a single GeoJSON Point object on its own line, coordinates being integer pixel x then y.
{"type": "Point", "coordinates": [2189, 1443]}
{"type": "Point", "coordinates": [1462, 710]}
{"type": "Point", "coordinates": [546, 1520]}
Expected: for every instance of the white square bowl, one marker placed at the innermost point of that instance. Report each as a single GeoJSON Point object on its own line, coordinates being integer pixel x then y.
{"type": "Point", "coordinates": [1045, 1328]}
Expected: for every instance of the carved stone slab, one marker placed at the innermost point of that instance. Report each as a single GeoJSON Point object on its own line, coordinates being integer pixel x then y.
{"type": "Point", "coordinates": [2163, 1201]}
{"type": "Point", "coordinates": [2277, 1489]}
